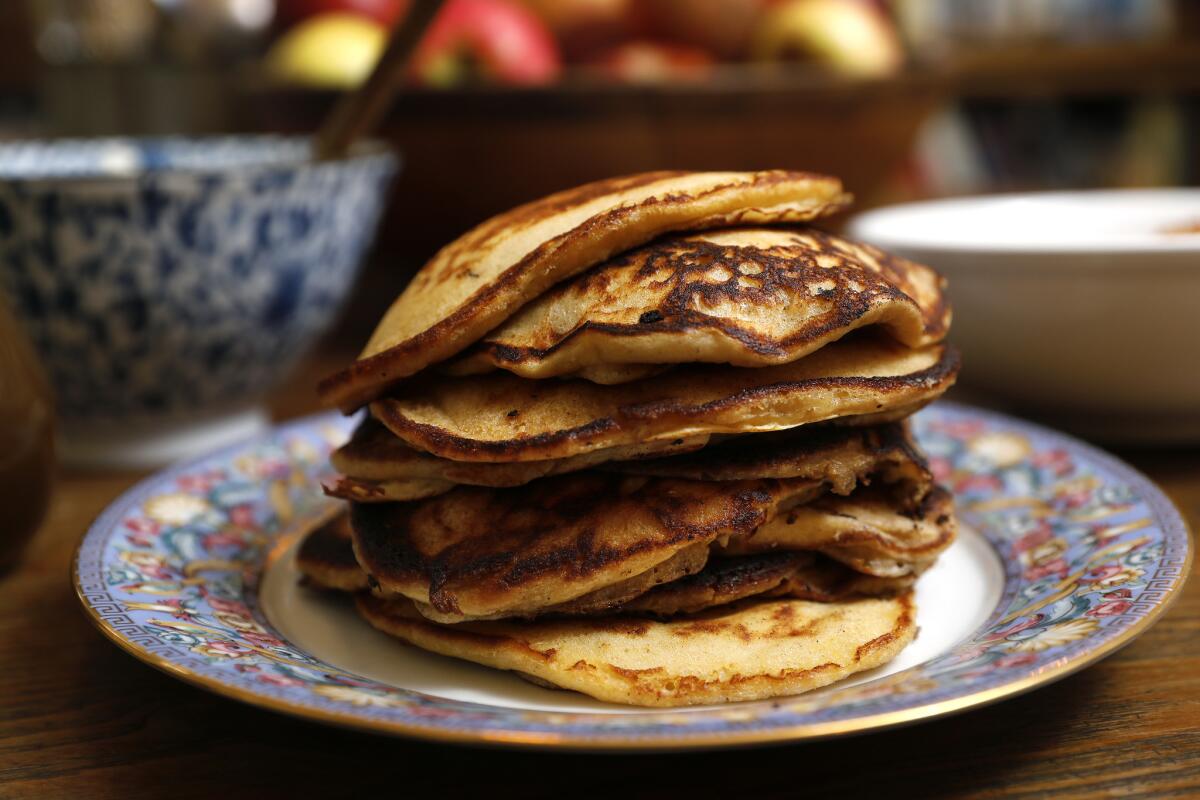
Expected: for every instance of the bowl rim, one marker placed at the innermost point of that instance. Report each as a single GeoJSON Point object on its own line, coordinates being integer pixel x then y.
{"type": "Point", "coordinates": [878, 227]}
{"type": "Point", "coordinates": [370, 149]}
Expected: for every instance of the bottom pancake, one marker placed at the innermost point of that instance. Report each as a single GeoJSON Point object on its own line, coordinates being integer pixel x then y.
{"type": "Point", "coordinates": [751, 650]}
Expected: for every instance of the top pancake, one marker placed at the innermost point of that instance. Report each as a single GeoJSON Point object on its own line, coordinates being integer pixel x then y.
{"type": "Point", "coordinates": [749, 297]}
{"type": "Point", "coordinates": [479, 280]}
{"type": "Point", "coordinates": [500, 417]}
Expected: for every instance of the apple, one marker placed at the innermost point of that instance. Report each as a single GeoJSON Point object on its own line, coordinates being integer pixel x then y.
{"type": "Point", "coordinates": [850, 36]}
{"type": "Point", "coordinates": [335, 51]}
{"type": "Point", "coordinates": [500, 39]}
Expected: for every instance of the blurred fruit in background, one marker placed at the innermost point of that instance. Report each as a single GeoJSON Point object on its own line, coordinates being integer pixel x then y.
{"type": "Point", "coordinates": [653, 62]}
{"type": "Point", "coordinates": [335, 43]}
{"type": "Point", "coordinates": [330, 50]}
{"type": "Point", "coordinates": [856, 37]}
{"type": "Point", "coordinates": [497, 40]}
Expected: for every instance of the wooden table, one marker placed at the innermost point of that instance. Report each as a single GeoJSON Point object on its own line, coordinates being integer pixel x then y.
{"type": "Point", "coordinates": [80, 719]}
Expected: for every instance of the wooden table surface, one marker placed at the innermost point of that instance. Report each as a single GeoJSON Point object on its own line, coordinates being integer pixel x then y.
{"type": "Point", "coordinates": [81, 719]}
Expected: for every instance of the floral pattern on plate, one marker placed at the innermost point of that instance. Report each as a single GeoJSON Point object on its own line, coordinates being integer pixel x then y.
{"type": "Point", "coordinates": [1092, 550]}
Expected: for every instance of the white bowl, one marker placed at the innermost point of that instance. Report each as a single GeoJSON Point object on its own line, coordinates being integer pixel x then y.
{"type": "Point", "coordinates": [1080, 306]}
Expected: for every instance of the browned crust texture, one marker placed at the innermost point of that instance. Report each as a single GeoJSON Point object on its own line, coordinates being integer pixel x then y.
{"type": "Point", "coordinates": [596, 238]}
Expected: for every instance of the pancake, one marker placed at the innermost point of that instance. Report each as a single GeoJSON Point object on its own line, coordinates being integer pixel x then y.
{"type": "Point", "coordinates": [748, 297]}
{"type": "Point", "coordinates": [685, 583]}
{"type": "Point", "coordinates": [499, 417]}
{"type": "Point", "coordinates": [686, 562]}
{"type": "Point", "coordinates": [808, 576]}
{"type": "Point", "coordinates": [841, 457]}
{"type": "Point", "coordinates": [378, 466]}
{"type": "Point", "coordinates": [326, 560]}
{"type": "Point", "coordinates": [326, 557]}
{"type": "Point", "coordinates": [478, 281]}
{"type": "Point", "coordinates": [749, 651]}
{"type": "Point", "coordinates": [478, 553]}
{"type": "Point", "coordinates": [863, 531]}
{"type": "Point", "coordinates": [827, 581]}
{"type": "Point", "coordinates": [610, 599]}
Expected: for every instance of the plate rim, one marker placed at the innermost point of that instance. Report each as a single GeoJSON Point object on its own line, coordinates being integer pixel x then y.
{"type": "Point", "coordinates": [1164, 509]}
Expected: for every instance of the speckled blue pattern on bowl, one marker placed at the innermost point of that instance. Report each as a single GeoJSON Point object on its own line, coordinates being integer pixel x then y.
{"type": "Point", "coordinates": [163, 277]}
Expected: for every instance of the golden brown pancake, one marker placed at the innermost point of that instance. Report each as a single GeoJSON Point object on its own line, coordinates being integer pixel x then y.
{"type": "Point", "coordinates": [839, 456]}
{"type": "Point", "coordinates": [499, 417]}
{"type": "Point", "coordinates": [477, 553]}
{"type": "Point", "coordinates": [863, 531]}
{"type": "Point", "coordinates": [378, 466]}
{"type": "Point", "coordinates": [688, 561]}
{"type": "Point", "coordinates": [750, 297]}
{"type": "Point", "coordinates": [478, 281]}
{"type": "Point", "coordinates": [685, 562]}
{"type": "Point", "coordinates": [748, 651]}
{"type": "Point", "coordinates": [687, 582]}
{"type": "Point", "coordinates": [326, 557]}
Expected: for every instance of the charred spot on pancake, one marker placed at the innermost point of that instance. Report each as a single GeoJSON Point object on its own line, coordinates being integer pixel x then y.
{"type": "Point", "coordinates": [705, 282]}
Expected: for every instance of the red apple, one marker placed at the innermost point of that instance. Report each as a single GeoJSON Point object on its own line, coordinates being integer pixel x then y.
{"type": "Point", "coordinates": [500, 39]}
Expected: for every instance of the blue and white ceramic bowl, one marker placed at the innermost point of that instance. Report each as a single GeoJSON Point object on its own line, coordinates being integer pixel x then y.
{"type": "Point", "coordinates": [169, 281]}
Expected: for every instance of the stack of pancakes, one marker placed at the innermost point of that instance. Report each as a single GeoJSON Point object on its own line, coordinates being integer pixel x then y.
{"type": "Point", "coordinates": [645, 439]}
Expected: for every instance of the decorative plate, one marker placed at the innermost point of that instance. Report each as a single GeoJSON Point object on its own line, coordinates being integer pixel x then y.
{"type": "Point", "coordinates": [1066, 554]}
